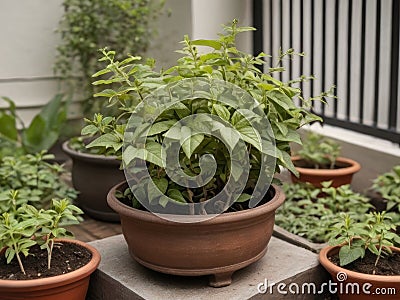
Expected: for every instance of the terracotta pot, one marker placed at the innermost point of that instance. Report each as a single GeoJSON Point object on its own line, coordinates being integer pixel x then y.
{"type": "Point", "coordinates": [374, 284]}
{"type": "Point", "coordinates": [93, 176]}
{"type": "Point", "coordinates": [340, 176]}
{"type": "Point", "coordinates": [70, 286]}
{"type": "Point", "coordinates": [215, 247]}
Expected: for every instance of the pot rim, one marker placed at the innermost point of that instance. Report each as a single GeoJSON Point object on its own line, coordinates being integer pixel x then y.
{"type": "Point", "coordinates": [76, 154]}
{"type": "Point", "coordinates": [330, 266]}
{"type": "Point", "coordinates": [258, 211]}
{"type": "Point", "coordinates": [57, 280]}
{"type": "Point", "coordinates": [353, 167]}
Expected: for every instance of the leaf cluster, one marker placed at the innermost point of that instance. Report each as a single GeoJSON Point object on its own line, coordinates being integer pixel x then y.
{"type": "Point", "coordinates": [31, 179]}
{"type": "Point", "coordinates": [28, 226]}
{"type": "Point", "coordinates": [42, 132]}
{"type": "Point", "coordinates": [319, 151]}
{"type": "Point", "coordinates": [388, 186]}
{"type": "Point", "coordinates": [376, 233]}
{"type": "Point", "coordinates": [310, 212]}
{"type": "Point", "coordinates": [88, 25]}
{"type": "Point", "coordinates": [129, 82]}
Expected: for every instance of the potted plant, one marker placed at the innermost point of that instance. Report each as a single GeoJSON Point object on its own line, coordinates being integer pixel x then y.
{"type": "Point", "coordinates": [99, 150]}
{"type": "Point", "coordinates": [319, 160]}
{"type": "Point", "coordinates": [86, 166]}
{"type": "Point", "coordinates": [220, 218]}
{"type": "Point", "coordinates": [308, 213]}
{"type": "Point", "coordinates": [36, 259]}
{"type": "Point", "coordinates": [385, 191]}
{"type": "Point", "coordinates": [362, 258]}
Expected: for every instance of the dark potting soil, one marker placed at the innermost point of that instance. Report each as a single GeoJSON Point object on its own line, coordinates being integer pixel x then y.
{"type": "Point", "coordinates": [387, 265]}
{"type": "Point", "coordinates": [66, 258]}
{"type": "Point", "coordinates": [303, 164]}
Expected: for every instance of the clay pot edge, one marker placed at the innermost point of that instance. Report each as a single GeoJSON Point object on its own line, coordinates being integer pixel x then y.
{"type": "Point", "coordinates": [353, 168]}
{"type": "Point", "coordinates": [329, 266]}
{"type": "Point", "coordinates": [261, 210]}
{"type": "Point", "coordinates": [73, 276]}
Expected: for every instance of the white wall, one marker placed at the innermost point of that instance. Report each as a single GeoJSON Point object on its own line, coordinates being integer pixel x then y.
{"type": "Point", "coordinates": [209, 15]}
{"type": "Point", "coordinates": [27, 51]}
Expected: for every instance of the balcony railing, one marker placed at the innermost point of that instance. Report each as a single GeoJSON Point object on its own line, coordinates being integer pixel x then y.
{"type": "Point", "coordinates": [353, 44]}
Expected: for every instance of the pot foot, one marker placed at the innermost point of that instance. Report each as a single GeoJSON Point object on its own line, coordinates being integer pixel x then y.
{"type": "Point", "coordinates": [220, 279]}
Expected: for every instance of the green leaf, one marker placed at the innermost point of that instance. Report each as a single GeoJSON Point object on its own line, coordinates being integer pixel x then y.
{"type": "Point", "coordinates": [8, 127]}
{"type": "Point", "coordinates": [89, 130]}
{"type": "Point", "coordinates": [107, 140]}
{"type": "Point", "coordinates": [209, 43]}
{"type": "Point", "coordinates": [176, 195]}
{"type": "Point", "coordinates": [190, 144]}
{"type": "Point", "coordinates": [243, 198]}
{"type": "Point", "coordinates": [161, 184]}
{"type": "Point", "coordinates": [229, 136]}
{"type": "Point", "coordinates": [250, 136]}
{"type": "Point", "coordinates": [153, 153]}
{"type": "Point", "coordinates": [222, 111]}
{"type": "Point", "coordinates": [160, 127]}
{"type": "Point", "coordinates": [349, 254]}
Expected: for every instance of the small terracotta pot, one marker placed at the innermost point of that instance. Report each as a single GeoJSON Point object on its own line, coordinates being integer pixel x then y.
{"type": "Point", "coordinates": [93, 176]}
{"type": "Point", "coordinates": [340, 176]}
{"type": "Point", "coordinates": [69, 286]}
{"type": "Point", "coordinates": [374, 284]}
{"type": "Point", "coordinates": [216, 247]}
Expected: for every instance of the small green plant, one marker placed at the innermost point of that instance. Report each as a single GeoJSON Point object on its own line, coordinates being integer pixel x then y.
{"type": "Point", "coordinates": [319, 152]}
{"type": "Point", "coordinates": [41, 134]}
{"type": "Point", "coordinates": [310, 212]}
{"type": "Point", "coordinates": [376, 233]}
{"type": "Point", "coordinates": [30, 179]}
{"type": "Point", "coordinates": [20, 231]}
{"type": "Point", "coordinates": [86, 26]}
{"type": "Point", "coordinates": [388, 186]}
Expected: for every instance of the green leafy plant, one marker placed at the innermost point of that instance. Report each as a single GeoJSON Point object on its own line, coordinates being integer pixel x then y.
{"type": "Point", "coordinates": [310, 212]}
{"type": "Point", "coordinates": [376, 234]}
{"type": "Point", "coordinates": [30, 179]}
{"type": "Point", "coordinates": [223, 62]}
{"type": "Point", "coordinates": [318, 151]}
{"type": "Point", "coordinates": [20, 231]}
{"type": "Point", "coordinates": [388, 186]}
{"type": "Point", "coordinates": [86, 26]}
{"type": "Point", "coordinates": [41, 134]}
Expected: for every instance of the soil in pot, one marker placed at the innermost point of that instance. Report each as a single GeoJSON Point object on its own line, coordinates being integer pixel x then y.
{"type": "Point", "coordinates": [389, 265]}
{"type": "Point", "coordinates": [66, 258]}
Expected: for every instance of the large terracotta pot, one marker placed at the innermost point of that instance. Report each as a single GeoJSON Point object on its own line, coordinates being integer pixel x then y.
{"type": "Point", "coordinates": [340, 176]}
{"type": "Point", "coordinates": [377, 287]}
{"type": "Point", "coordinates": [215, 247]}
{"type": "Point", "coordinates": [69, 286]}
{"type": "Point", "coordinates": [93, 176]}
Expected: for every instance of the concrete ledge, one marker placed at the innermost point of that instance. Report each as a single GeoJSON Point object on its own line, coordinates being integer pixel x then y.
{"type": "Point", "coordinates": [119, 277]}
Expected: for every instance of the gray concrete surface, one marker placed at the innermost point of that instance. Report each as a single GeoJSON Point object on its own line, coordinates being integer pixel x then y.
{"type": "Point", "coordinates": [119, 277]}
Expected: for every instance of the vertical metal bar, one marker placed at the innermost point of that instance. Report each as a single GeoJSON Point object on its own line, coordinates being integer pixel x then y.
{"type": "Point", "coordinates": [258, 24]}
{"type": "Point", "coordinates": [349, 60]}
{"type": "Point", "coordinates": [312, 46]}
{"type": "Point", "coordinates": [271, 27]}
{"type": "Point", "coordinates": [290, 37]}
{"type": "Point", "coordinates": [301, 41]}
{"type": "Point", "coordinates": [323, 51]}
{"type": "Point", "coordinates": [281, 30]}
{"type": "Point", "coordinates": [337, 4]}
{"type": "Point", "coordinates": [377, 62]}
{"type": "Point", "coordinates": [362, 62]}
{"type": "Point", "coordinates": [394, 70]}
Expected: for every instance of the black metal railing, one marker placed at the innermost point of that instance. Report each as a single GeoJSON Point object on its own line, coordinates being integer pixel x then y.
{"type": "Point", "coordinates": [353, 44]}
